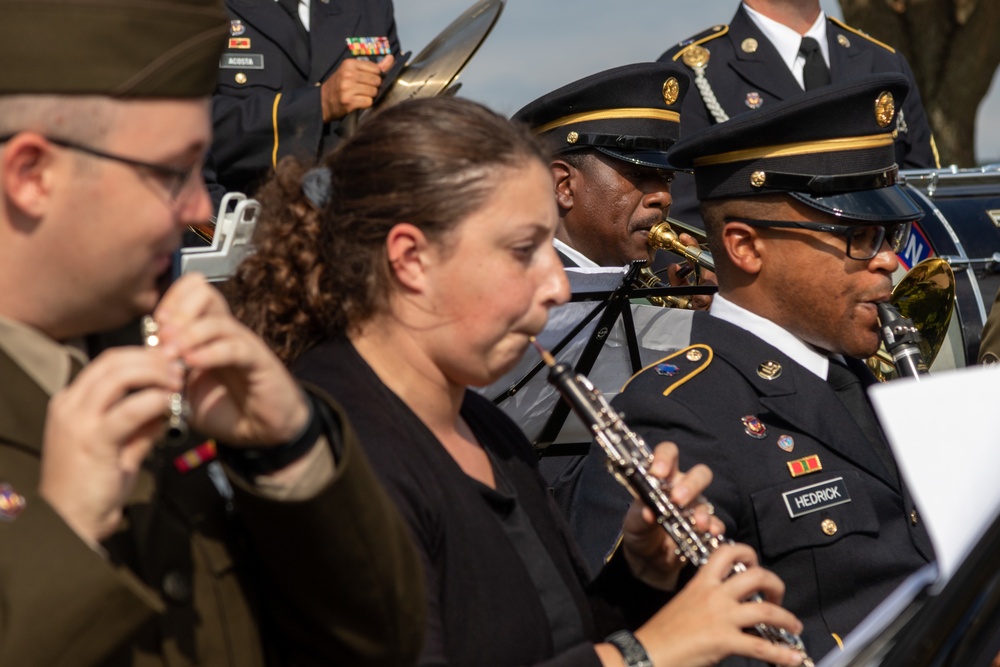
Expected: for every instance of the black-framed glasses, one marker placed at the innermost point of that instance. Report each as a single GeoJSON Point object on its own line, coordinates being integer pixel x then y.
{"type": "Point", "coordinates": [863, 241]}
{"type": "Point", "coordinates": [175, 181]}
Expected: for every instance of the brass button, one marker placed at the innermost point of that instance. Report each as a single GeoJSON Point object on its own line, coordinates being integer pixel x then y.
{"type": "Point", "coordinates": [914, 519]}
{"type": "Point", "coordinates": [177, 586]}
{"type": "Point", "coordinates": [693, 355]}
{"type": "Point", "coordinates": [572, 138]}
{"type": "Point", "coordinates": [240, 77]}
{"type": "Point", "coordinates": [829, 527]}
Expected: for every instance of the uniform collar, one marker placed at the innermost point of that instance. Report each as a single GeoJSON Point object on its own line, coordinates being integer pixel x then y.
{"type": "Point", "coordinates": [44, 360]}
{"type": "Point", "coordinates": [787, 41]}
{"type": "Point", "coordinates": [793, 346]}
{"type": "Point", "coordinates": [575, 255]}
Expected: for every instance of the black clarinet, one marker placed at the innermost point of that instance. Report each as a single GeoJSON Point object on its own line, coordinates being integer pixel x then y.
{"type": "Point", "coordinates": [902, 341]}
{"type": "Point", "coordinates": [629, 460]}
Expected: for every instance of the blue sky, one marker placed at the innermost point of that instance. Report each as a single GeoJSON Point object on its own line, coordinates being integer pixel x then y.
{"type": "Point", "coordinates": [539, 45]}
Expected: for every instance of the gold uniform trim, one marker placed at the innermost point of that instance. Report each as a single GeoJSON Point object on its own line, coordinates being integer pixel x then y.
{"type": "Point", "coordinates": [699, 42]}
{"type": "Point", "coordinates": [606, 114]}
{"type": "Point", "coordinates": [274, 122]}
{"type": "Point", "coordinates": [798, 148]}
{"type": "Point", "coordinates": [706, 360]}
{"type": "Point", "coordinates": [861, 34]}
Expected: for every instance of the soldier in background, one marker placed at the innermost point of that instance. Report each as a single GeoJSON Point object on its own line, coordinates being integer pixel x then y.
{"type": "Point", "coordinates": [773, 50]}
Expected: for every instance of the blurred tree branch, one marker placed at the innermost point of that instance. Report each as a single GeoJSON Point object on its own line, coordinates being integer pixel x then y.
{"type": "Point", "coordinates": [953, 47]}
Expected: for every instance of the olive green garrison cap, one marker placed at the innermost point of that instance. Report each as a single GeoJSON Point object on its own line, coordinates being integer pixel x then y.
{"type": "Point", "coordinates": [119, 48]}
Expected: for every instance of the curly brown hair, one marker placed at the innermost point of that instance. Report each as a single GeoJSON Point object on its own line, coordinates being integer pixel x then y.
{"type": "Point", "coordinates": [318, 272]}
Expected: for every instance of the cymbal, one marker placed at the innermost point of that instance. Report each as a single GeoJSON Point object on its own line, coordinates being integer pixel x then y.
{"type": "Point", "coordinates": [434, 69]}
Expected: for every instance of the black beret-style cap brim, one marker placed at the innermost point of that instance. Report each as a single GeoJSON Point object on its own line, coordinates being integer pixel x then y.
{"type": "Point", "coordinates": [118, 48]}
{"type": "Point", "coordinates": [890, 204]}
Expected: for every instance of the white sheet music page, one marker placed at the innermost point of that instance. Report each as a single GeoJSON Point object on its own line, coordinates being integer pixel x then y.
{"type": "Point", "coordinates": [945, 433]}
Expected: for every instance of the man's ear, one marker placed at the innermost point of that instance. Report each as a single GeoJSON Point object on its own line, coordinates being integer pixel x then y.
{"type": "Point", "coordinates": [565, 177]}
{"type": "Point", "coordinates": [26, 175]}
{"type": "Point", "coordinates": [407, 248]}
{"type": "Point", "coordinates": [743, 246]}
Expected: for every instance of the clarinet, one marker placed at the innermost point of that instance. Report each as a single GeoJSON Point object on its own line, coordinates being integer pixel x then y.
{"type": "Point", "coordinates": [629, 460]}
{"type": "Point", "coordinates": [902, 341]}
{"type": "Point", "coordinates": [178, 408]}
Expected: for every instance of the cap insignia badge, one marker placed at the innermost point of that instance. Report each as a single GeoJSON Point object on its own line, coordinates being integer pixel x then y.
{"type": "Point", "coordinates": [786, 442]}
{"type": "Point", "coordinates": [769, 370]}
{"type": "Point", "coordinates": [754, 427]}
{"type": "Point", "coordinates": [753, 100]}
{"type": "Point", "coordinates": [671, 90]}
{"type": "Point", "coordinates": [885, 109]}
{"type": "Point", "coordinates": [749, 45]}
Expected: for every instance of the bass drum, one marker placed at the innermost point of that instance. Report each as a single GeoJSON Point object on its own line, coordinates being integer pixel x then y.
{"type": "Point", "coordinates": [962, 226]}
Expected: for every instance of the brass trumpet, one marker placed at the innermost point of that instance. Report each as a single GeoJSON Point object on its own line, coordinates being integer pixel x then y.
{"type": "Point", "coordinates": [663, 237]}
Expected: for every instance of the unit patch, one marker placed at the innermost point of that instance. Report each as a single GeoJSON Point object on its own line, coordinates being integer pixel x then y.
{"type": "Point", "coordinates": [816, 497]}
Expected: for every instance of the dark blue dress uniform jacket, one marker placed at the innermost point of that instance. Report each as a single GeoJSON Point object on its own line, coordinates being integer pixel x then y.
{"type": "Point", "coordinates": [271, 107]}
{"type": "Point", "coordinates": [763, 78]}
{"type": "Point", "coordinates": [833, 578]}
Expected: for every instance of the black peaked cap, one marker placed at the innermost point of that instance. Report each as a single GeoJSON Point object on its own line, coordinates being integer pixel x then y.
{"type": "Point", "coordinates": [631, 113]}
{"type": "Point", "coordinates": [831, 148]}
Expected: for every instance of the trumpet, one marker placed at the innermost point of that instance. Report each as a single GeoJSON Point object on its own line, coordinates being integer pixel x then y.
{"type": "Point", "coordinates": [178, 408]}
{"type": "Point", "coordinates": [629, 460]}
{"type": "Point", "coordinates": [663, 237]}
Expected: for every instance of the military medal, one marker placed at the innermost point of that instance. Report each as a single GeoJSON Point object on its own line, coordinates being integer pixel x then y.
{"type": "Point", "coordinates": [805, 466]}
{"type": "Point", "coordinates": [754, 427]}
{"type": "Point", "coordinates": [368, 47]}
{"type": "Point", "coordinates": [196, 457]}
{"type": "Point", "coordinates": [11, 503]}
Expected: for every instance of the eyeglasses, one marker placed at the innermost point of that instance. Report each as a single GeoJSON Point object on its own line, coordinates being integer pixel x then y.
{"type": "Point", "coordinates": [863, 241]}
{"type": "Point", "coordinates": [175, 181]}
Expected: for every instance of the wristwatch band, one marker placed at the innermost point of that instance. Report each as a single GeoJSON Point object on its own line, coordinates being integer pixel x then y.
{"type": "Point", "coordinates": [631, 649]}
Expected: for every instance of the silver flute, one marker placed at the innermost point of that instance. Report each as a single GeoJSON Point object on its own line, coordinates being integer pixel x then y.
{"type": "Point", "coordinates": [629, 459]}
{"type": "Point", "coordinates": [177, 408]}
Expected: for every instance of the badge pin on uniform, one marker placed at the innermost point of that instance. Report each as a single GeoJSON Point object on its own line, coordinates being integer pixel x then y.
{"type": "Point", "coordinates": [754, 427]}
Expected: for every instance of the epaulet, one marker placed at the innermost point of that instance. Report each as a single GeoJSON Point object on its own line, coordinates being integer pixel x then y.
{"type": "Point", "coordinates": [857, 32]}
{"type": "Point", "coordinates": [680, 366]}
{"type": "Point", "coordinates": [677, 52]}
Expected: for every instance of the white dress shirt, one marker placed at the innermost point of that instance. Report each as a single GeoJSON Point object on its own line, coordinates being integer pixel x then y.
{"type": "Point", "coordinates": [788, 41]}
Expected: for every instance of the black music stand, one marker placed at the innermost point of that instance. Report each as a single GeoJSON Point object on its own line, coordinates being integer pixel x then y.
{"type": "Point", "coordinates": [610, 306]}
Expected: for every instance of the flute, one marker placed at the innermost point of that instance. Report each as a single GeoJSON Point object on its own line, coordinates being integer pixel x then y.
{"type": "Point", "coordinates": [177, 407]}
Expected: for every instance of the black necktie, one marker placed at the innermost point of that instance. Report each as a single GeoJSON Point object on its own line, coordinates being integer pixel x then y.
{"type": "Point", "coordinates": [848, 387]}
{"type": "Point", "coordinates": [815, 73]}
